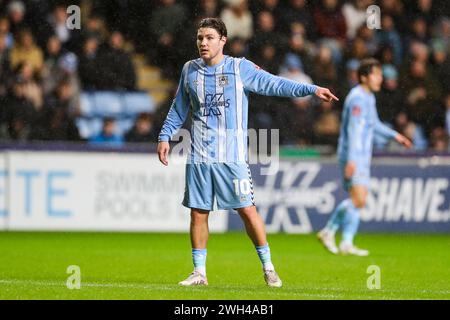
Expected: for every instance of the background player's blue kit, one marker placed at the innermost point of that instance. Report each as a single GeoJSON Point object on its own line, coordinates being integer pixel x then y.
{"type": "Point", "coordinates": [360, 122]}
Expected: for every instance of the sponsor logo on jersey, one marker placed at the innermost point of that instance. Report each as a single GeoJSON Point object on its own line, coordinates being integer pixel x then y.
{"type": "Point", "coordinates": [213, 103]}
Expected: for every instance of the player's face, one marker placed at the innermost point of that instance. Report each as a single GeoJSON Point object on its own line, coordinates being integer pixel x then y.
{"type": "Point", "coordinates": [375, 79]}
{"type": "Point", "coordinates": [209, 43]}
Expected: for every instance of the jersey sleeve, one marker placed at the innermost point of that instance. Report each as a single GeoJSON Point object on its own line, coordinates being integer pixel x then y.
{"type": "Point", "coordinates": [256, 80]}
{"type": "Point", "coordinates": [383, 130]}
{"type": "Point", "coordinates": [178, 111]}
{"type": "Point", "coordinates": [355, 125]}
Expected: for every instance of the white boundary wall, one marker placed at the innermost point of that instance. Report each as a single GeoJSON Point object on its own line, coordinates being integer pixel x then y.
{"type": "Point", "coordinates": [94, 191]}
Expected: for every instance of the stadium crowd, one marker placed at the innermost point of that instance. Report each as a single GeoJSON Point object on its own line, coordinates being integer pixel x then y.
{"type": "Point", "coordinates": [44, 66]}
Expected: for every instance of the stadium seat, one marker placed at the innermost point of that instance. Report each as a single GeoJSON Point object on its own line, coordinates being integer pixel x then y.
{"type": "Point", "coordinates": [107, 104]}
{"type": "Point", "coordinates": [124, 125]}
{"type": "Point", "coordinates": [137, 102]}
{"type": "Point", "coordinates": [87, 104]}
{"type": "Point", "coordinates": [89, 127]}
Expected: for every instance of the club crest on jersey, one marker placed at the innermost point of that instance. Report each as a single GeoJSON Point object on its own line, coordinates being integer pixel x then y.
{"type": "Point", "coordinates": [356, 111]}
{"type": "Point", "coordinates": [222, 81]}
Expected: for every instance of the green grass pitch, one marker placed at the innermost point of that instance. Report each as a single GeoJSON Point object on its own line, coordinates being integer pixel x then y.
{"type": "Point", "coordinates": [148, 266]}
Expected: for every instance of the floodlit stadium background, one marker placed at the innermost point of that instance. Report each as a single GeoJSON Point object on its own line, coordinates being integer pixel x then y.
{"type": "Point", "coordinates": [81, 110]}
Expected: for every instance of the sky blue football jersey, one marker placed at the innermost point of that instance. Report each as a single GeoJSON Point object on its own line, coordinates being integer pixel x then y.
{"type": "Point", "coordinates": [217, 99]}
{"type": "Point", "coordinates": [359, 123]}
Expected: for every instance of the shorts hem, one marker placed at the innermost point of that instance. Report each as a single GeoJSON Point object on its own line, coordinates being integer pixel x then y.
{"type": "Point", "coordinates": [237, 206]}
{"type": "Point", "coordinates": [193, 206]}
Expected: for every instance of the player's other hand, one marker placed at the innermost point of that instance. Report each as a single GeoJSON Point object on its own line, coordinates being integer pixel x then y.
{"type": "Point", "coordinates": [350, 169]}
{"type": "Point", "coordinates": [404, 141]}
{"type": "Point", "coordinates": [163, 152]}
{"type": "Point", "coordinates": [325, 94]}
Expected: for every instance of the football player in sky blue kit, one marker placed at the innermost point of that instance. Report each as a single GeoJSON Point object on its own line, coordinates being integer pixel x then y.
{"type": "Point", "coordinates": [214, 89]}
{"type": "Point", "coordinates": [359, 124]}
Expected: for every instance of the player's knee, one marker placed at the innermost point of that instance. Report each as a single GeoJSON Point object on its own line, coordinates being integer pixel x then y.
{"type": "Point", "coordinates": [199, 216]}
{"type": "Point", "coordinates": [247, 213]}
{"type": "Point", "coordinates": [359, 202]}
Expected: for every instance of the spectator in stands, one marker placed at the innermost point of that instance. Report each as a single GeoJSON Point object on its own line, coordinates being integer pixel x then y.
{"type": "Point", "coordinates": [166, 23]}
{"type": "Point", "coordinates": [354, 12]}
{"type": "Point", "coordinates": [292, 68]}
{"type": "Point", "coordinates": [329, 20]}
{"type": "Point", "coordinates": [119, 68]}
{"type": "Point", "coordinates": [390, 98]}
{"type": "Point", "coordinates": [95, 26]}
{"type": "Point", "coordinates": [351, 78]}
{"type": "Point", "coordinates": [326, 124]}
{"type": "Point", "coordinates": [4, 64]}
{"type": "Point", "coordinates": [447, 112]}
{"type": "Point", "coordinates": [32, 91]}
{"type": "Point", "coordinates": [63, 97]}
{"type": "Point", "coordinates": [5, 31]}
{"type": "Point", "coordinates": [107, 137]}
{"type": "Point", "coordinates": [388, 36]}
{"type": "Point", "coordinates": [395, 9]}
{"type": "Point", "coordinates": [274, 7]}
{"type": "Point", "coordinates": [90, 66]}
{"type": "Point", "coordinates": [18, 113]}
{"type": "Point", "coordinates": [55, 124]}
{"type": "Point", "coordinates": [207, 8]}
{"type": "Point", "coordinates": [265, 34]}
{"type": "Point", "coordinates": [57, 21]}
{"type": "Point", "coordinates": [385, 55]}
{"type": "Point", "coordinates": [418, 32]}
{"type": "Point", "coordinates": [425, 10]}
{"type": "Point", "coordinates": [301, 48]}
{"type": "Point", "coordinates": [237, 47]}
{"type": "Point", "coordinates": [298, 123]}
{"type": "Point", "coordinates": [238, 19]}
{"type": "Point", "coordinates": [268, 58]}
{"type": "Point", "coordinates": [297, 13]}
{"type": "Point", "coordinates": [441, 62]}
{"type": "Point", "coordinates": [442, 31]}
{"type": "Point", "coordinates": [25, 50]}
{"type": "Point", "coordinates": [16, 14]}
{"type": "Point", "coordinates": [50, 71]}
{"type": "Point", "coordinates": [409, 129]}
{"type": "Point", "coordinates": [143, 130]}
{"type": "Point", "coordinates": [439, 140]}
{"type": "Point", "coordinates": [370, 39]}
{"type": "Point", "coordinates": [422, 93]}
{"type": "Point", "coordinates": [358, 49]}
{"type": "Point", "coordinates": [324, 70]}
{"type": "Point", "coordinates": [331, 26]}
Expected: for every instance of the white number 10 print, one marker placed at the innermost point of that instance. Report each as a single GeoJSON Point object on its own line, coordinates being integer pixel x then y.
{"type": "Point", "coordinates": [241, 186]}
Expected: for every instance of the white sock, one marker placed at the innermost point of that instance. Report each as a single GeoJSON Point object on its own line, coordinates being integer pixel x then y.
{"type": "Point", "coordinates": [268, 267]}
{"type": "Point", "coordinates": [201, 270]}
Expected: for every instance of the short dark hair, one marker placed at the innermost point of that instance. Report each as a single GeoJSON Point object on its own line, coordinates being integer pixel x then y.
{"type": "Point", "coordinates": [366, 66]}
{"type": "Point", "coordinates": [214, 23]}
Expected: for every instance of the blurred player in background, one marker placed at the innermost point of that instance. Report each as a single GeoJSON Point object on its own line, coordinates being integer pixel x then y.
{"type": "Point", "coordinates": [215, 89]}
{"type": "Point", "coordinates": [360, 122]}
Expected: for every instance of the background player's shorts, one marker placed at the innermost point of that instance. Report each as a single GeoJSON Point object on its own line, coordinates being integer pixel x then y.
{"type": "Point", "coordinates": [230, 184]}
{"type": "Point", "coordinates": [361, 177]}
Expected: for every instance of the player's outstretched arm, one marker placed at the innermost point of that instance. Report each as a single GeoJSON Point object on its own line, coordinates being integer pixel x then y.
{"type": "Point", "coordinates": [262, 82]}
{"type": "Point", "coordinates": [325, 94]}
{"type": "Point", "coordinates": [404, 141]}
{"type": "Point", "coordinates": [163, 152]}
